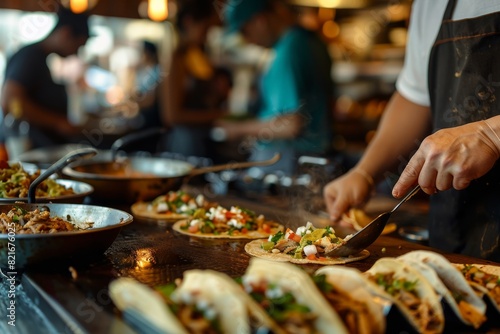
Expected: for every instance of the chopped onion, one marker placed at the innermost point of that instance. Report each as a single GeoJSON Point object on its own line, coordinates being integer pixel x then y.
{"type": "Point", "coordinates": [309, 250]}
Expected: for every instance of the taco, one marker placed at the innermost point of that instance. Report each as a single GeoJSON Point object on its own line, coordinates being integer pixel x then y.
{"type": "Point", "coordinates": [359, 219]}
{"type": "Point", "coordinates": [290, 297]}
{"type": "Point", "coordinates": [172, 206]}
{"type": "Point", "coordinates": [307, 244]}
{"type": "Point", "coordinates": [450, 284]}
{"type": "Point", "coordinates": [205, 302]}
{"type": "Point", "coordinates": [485, 279]}
{"type": "Point", "coordinates": [219, 222]}
{"type": "Point", "coordinates": [409, 291]}
{"type": "Point", "coordinates": [345, 289]}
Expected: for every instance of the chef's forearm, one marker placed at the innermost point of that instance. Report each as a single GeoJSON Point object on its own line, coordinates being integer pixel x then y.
{"type": "Point", "coordinates": [403, 126]}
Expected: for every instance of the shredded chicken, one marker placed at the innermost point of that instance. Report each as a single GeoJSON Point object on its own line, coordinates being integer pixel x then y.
{"type": "Point", "coordinates": [36, 221]}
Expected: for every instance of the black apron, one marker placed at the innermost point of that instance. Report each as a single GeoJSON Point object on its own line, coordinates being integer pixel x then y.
{"type": "Point", "coordinates": [463, 83]}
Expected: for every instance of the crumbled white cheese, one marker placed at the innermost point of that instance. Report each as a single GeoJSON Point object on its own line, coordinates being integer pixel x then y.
{"type": "Point", "coordinates": [235, 223]}
{"type": "Point", "coordinates": [275, 292]}
{"type": "Point", "coordinates": [310, 250]}
{"type": "Point", "coordinates": [200, 200]}
{"type": "Point", "coordinates": [218, 214]}
{"type": "Point", "coordinates": [162, 207]}
{"type": "Point", "coordinates": [195, 222]}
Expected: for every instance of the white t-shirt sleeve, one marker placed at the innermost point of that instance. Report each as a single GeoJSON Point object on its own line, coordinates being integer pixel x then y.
{"type": "Point", "coordinates": [425, 21]}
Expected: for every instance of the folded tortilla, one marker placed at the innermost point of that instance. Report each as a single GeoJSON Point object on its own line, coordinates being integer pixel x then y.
{"type": "Point", "coordinates": [129, 294]}
{"type": "Point", "coordinates": [409, 291]}
{"type": "Point", "coordinates": [279, 278]}
{"type": "Point", "coordinates": [450, 284]}
{"type": "Point", "coordinates": [209, 290]}
{"type": "Point", "coordinates": [485, 279]}
{"type": "Point", "coordinates": [353, 301]}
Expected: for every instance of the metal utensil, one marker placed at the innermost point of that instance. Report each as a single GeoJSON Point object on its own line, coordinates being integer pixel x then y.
{"type": "Point", "coordinates": [52, 248]}
{"type": "Point", "coordinates": [367, 235]}
{"type": "Point", "coordinates": [143, 178]}
{"type": "Point", "coordinates": [82, 153]}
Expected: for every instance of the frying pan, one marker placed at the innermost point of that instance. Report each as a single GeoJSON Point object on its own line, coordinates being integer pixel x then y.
{"type": "Point", "coordinates": [80, 189]}
{"type": "Point", "coordinates": [31, 249]}
{"type": "Point", "coordinates": [142, 178]}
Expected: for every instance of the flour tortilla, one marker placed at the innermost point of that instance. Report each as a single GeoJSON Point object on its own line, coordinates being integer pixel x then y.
{"type": "Point", "coordinates": [143, 209]}
{"type": "Point", "coordinates": [129, 294]}
{"type": "Point", "coordinates": [447, 281]}
{"type": "Point", "coordinates": [233, 306]}
{"type": "Point", "coordinates": [290, 278]}
{"type": "Point", "coordinates": [359, 219]}
{"type": "Point", "coordinates": [489, 269]}
{"type": "Point", "coordinates": [275, 228]}
{"type": "Point", "coordinates": [351, 282]}
{"type": "Point", "coordinates": [254, 248]}
{"type": "Point", "coordinates": [424, 291]}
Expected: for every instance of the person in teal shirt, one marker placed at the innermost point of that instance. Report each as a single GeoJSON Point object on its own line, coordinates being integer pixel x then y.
{"type": "Point", "coordinates": [295, 89]}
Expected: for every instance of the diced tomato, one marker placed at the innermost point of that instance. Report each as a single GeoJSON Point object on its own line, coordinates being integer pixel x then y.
{"type": "Point", "coordinates": [193, 228]}
{"type": "Point", "coordinates": [172, 196]}
{"type": "Point", "coordinates": [244, 230]}
{"type": "Point", "coordinates": [230, 214]}
{"type": "Point", "coordinates": [185, 198]}
{"type": "Point", "coordinates": [311, 257]}
{"type": "Point", "coordinates": [294, 237]}
{"type": "Point", "coordinates": [266, 228]}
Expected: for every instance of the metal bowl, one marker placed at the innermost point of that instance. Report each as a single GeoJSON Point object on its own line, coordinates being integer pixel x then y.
{"type": "Point", "coordinates": [81, 190]}
{"type": "Point", "coordinates": [30, 249]}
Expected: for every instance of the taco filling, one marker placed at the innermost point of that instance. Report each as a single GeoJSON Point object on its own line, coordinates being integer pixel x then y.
{"type": "Point", "coordinates": [194, 313]}
{"type": "Point", "coordinates": [489, 281]}
{"type": "Point", "coordinates": [355, 314]}
{"type": "Point", "coordinates": [306, 242]}
{"type": "Point", "coordinates": [282, 307]}
{"type": "Point", "coordinates": [219, 220]}
{"type": "Point", "coordinates": [178, 202]}
{"type": "Point", "coordinates": [405, 291]}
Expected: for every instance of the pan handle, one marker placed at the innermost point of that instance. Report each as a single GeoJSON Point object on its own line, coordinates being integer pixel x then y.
{"type": "Point", "coordinates": [83, 153]}
{"type": "Point", "coordinates": [233, 165]}
{"type": "Point", "coordinates": [133, 137]}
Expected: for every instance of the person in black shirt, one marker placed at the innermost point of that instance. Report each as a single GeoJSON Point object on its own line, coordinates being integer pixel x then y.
{"type": "Point", "coordinates": [28, 81]}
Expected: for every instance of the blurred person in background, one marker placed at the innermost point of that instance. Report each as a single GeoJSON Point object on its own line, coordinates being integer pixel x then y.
{"type": "Point", "coordinates": [445, 118]}
{"type": "Point", "coordinates": [147, 79]}
{"type": "Point", "coordinates": [193, 94]}
{"type": "Point", "coordinates": [29, 85]}
{"type": "Point", "coordinates": [295, 89]}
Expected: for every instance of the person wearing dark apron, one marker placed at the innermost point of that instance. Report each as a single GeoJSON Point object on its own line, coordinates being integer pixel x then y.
{"type": "Point", "coordinates": [452, 114]}
{"type": "Point", "coordinates": [463, 82]}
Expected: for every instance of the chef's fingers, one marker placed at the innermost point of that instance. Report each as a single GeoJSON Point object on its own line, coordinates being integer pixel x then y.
{"type": "Point", "coordinates": [427, 177]}
{"type": "Point", "coordinates": [444, 180]}
{"type": "Point", "coordinates": [409, 177]}
{"type": "Point", "coordinates": [336, 205]}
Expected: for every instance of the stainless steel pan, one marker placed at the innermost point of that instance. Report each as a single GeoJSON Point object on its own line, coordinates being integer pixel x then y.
{"type": "Point", "coordinates": [31, 249]}
{"type": "Point", "coordinates": [142, 178]}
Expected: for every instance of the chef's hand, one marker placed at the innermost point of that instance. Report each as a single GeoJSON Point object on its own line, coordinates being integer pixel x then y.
{"type": "Point", "coordinates": [352, 189]}
{"type": "Point", "coordinates": [451, 157]}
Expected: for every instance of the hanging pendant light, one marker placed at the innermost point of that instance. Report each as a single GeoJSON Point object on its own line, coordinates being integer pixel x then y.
{"type": "Point", "coordinates": [79, 6]}
{"type": "Point", "coordinates": [157, 10]}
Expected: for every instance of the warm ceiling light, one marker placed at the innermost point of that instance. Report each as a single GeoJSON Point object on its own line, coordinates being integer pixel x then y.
{"type": "Point", "coordinates": [79, 6]}
{"type": "Point", "coordinates": [331, 3]}
{"type": "Point", "coordinates": [158, 10]}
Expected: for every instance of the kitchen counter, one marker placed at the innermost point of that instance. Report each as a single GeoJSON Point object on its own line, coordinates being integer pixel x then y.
{"type": "Point", "coordinates": [76, 300]}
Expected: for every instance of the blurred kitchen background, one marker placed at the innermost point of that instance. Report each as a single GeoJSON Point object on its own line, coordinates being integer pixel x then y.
{"type": "Point", "coordinates": [366, 40]}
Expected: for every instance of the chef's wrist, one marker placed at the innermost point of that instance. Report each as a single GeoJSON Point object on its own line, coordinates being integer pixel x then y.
{"type": "Point", "coordinates": [493, 132]}
{"type": "Point", "coordinates": [366, 176]}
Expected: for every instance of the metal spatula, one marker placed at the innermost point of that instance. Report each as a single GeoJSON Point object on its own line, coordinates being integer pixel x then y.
{"type": "Point", "coordinates": [367, 235]}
